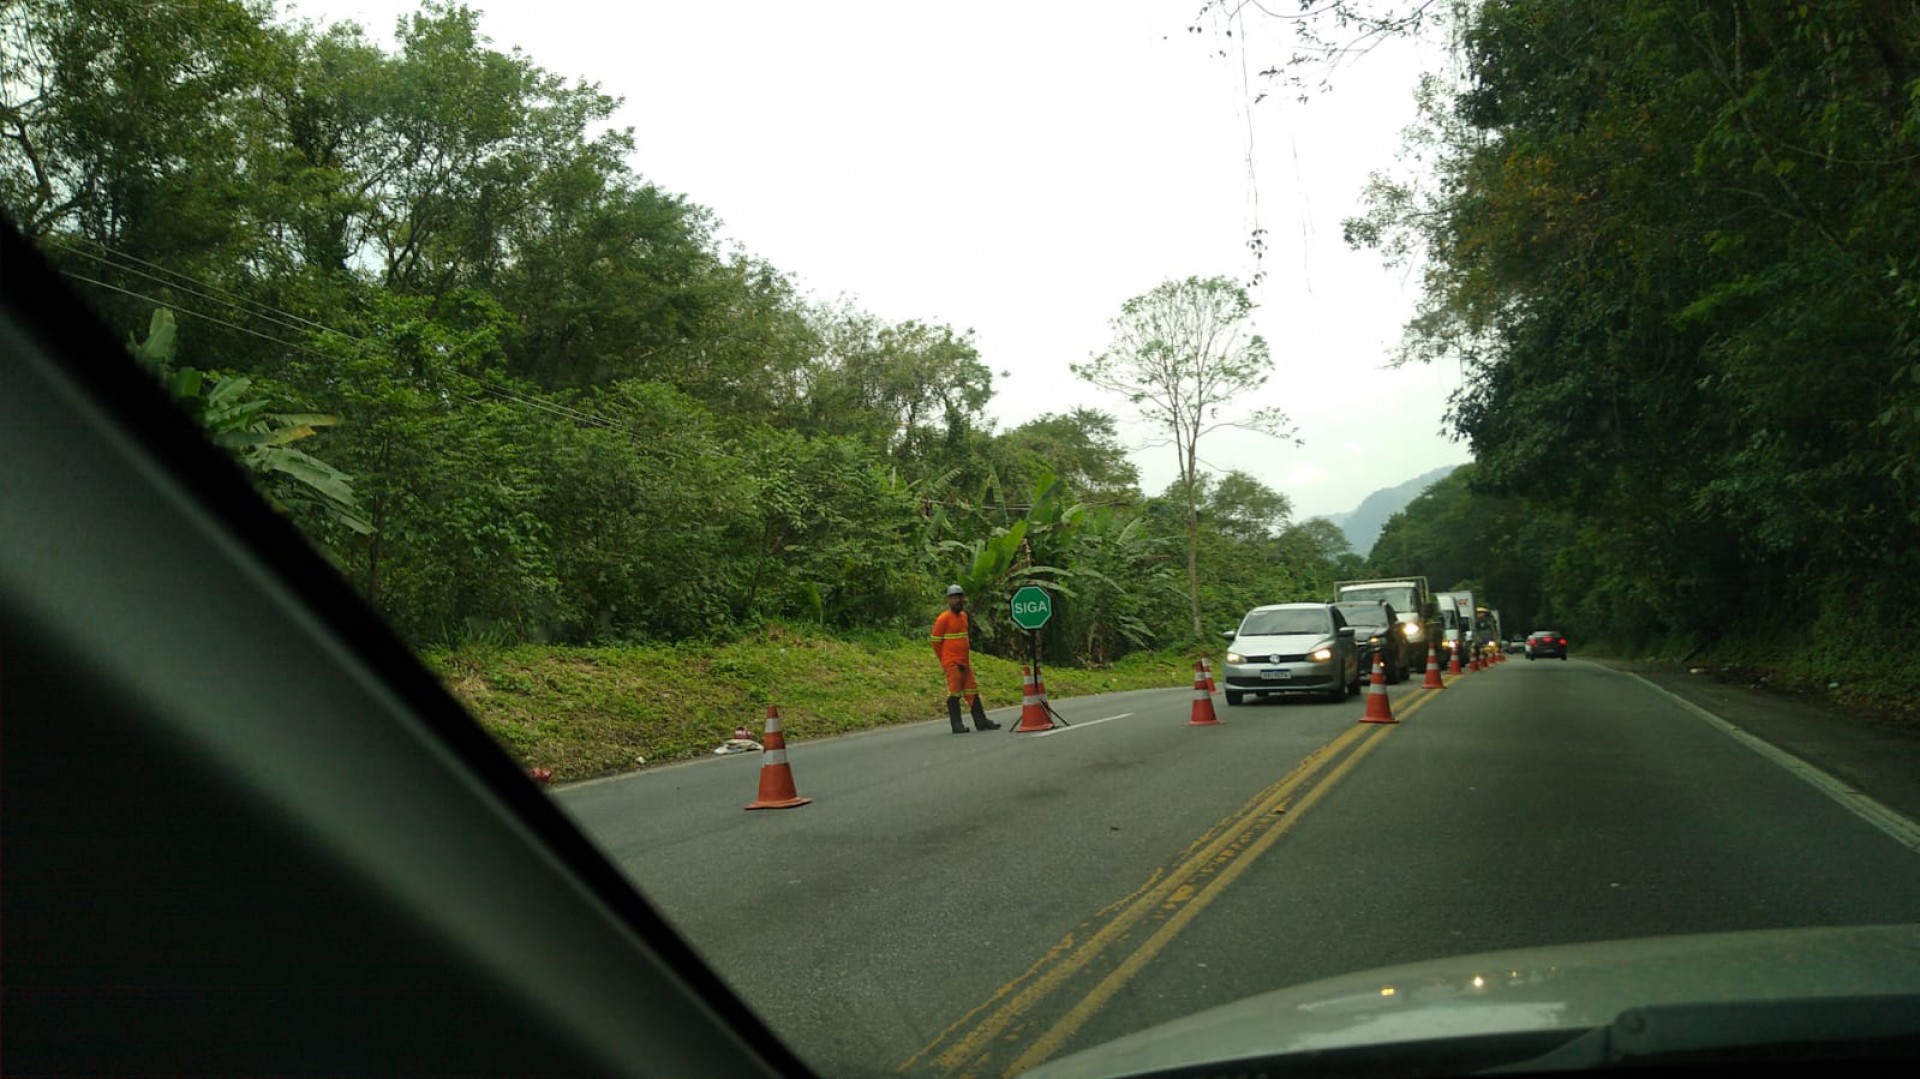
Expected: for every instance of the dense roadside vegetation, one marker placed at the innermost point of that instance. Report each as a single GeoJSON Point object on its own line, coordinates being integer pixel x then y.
{"type": "Point", "coordinates": [521, 396]}
{"type": "Point", "coordinates": [1676, 247]}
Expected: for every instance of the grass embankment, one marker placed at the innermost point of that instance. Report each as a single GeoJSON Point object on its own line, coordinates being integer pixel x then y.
{"type": "Point", "coordinates": [592, 711]}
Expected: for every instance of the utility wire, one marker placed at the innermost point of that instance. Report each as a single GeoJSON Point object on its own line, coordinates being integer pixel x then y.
{"type": "Point", "coordinates": [230, 297]}
{"type": "Point", "coordinates": [288, 320]}
{"type": "Point", "coordinates": [197, 314]}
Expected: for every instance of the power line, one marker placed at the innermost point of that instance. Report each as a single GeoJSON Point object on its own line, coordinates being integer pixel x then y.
{"type": "Point", "coordinates": [229, 297]}
{"type": "Point", "coordinates": [287, 320]}
{"type": "Point", "coordinates": [550, 407]}
{"type": "Point", "coordinates": [197, 314]}
{"type": "Point", "coordinates": [282, 318]}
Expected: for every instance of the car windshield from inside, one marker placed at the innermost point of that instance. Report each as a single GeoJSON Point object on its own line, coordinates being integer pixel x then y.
{"type": "Point", "coordinates": [770, 413]}
{"type": "Point", "coordinates": [1277, 623]}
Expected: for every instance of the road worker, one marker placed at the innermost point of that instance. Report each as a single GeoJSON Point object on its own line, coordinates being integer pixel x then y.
{"type": "Point", "coordinates": [956, 659]}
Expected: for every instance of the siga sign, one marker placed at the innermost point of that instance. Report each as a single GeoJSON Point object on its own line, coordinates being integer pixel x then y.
{"type": "Point", "coordinates": [1032, 607]}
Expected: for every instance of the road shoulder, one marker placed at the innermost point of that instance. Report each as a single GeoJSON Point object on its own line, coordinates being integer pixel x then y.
{"type": "Point", "coordinates": [1876, 755]}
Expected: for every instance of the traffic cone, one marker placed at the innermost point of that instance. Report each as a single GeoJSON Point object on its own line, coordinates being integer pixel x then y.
{"type": "Point", "coordinates": [776, 775]}
{"type": "Point", "coordinates": [1033, 705]}
{"type": "Point", "coordinates": [1207, 666]}
{"type": "Point", "coordinates": [1379, 709]}
{"type": "Point", "coordinates": [1433, 669]}
{"type": "Point", "coordinates": [1202, 698]}
{"type": "Point", "coordinates": [1453, 661]}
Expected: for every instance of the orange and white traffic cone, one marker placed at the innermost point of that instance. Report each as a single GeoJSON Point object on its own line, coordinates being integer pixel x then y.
{"type": "Point", "coordinates": [1206, 665]}
{"type": "Point", "coordinates": [1453, 660]}
{"type": "Point", "coordinates": [1379, 709]}
{"type": "Point", "coordinates": [1202, 699]}
{"type": "Point", "coordinates": [776, 775]}
{"type": "Point", "coordinates": [1433, 669]}
{"type": "Point", "coordinates": [1033, 706]}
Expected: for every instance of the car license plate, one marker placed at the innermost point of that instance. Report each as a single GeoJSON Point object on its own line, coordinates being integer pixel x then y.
{"type": "Point", "coordinates": [1276, 674]}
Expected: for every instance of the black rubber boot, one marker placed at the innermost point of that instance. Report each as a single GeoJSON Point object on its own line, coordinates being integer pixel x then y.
{"type": "Point", "coordinates": [953, 716]}
{"type": "Point", "coordinates": [980, 720]}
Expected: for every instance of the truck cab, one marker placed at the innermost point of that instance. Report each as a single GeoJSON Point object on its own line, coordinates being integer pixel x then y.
{"type": "Point", "coordinates": [1411, 599]}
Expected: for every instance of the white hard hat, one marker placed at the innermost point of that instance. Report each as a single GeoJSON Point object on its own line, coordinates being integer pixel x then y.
{"type": "Point", "coordinates": [955, 590]}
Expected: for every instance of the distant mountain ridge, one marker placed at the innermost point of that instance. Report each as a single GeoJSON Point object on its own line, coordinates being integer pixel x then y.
{"type": "Point", "coordinates": [1362, 524]}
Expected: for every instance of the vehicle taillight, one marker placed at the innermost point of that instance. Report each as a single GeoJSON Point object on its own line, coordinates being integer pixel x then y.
{"type": "Point", "coordinates": [1563, 642]}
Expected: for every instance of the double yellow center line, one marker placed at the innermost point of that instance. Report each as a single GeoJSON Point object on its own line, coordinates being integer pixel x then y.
{"type": "Point", "coordinates": [1010, 1031]}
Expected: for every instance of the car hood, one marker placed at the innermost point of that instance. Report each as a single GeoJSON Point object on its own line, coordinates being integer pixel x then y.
{"type": "Point", "coordinates": [1571, 988]}
{"type": "Point", "coordinates": [1284, 644]}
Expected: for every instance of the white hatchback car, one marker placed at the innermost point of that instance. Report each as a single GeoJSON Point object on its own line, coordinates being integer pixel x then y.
{"type": "Point", "coordinates": [1289, 648]}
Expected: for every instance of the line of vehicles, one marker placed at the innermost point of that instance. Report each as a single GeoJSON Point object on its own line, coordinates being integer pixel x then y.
{"type": "Point", "coordinates": [1325, 649]}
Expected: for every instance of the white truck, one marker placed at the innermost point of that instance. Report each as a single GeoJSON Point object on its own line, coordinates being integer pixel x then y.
{"type": "Point", "coordinates": [1457, 623]}
{"type": "Point", "coordinates": [1413, 604]}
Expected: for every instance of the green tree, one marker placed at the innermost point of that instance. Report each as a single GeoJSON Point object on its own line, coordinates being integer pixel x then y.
{"type": "Point", "coordinates": [1651, 224]}
{"type": "Point", "coordinates": [235, 415]}
{"type": "Point", "coordinates": [1182, 355]}
{"type": "Point", "coordinates": [1081, 446]}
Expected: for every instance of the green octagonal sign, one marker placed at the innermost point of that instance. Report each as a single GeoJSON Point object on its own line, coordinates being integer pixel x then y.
{"type": "Point", "coordinates": [1031, 607]}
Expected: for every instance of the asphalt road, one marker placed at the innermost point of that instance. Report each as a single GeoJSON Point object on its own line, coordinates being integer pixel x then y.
{"type": "Point", "coordinates": [974, 904]}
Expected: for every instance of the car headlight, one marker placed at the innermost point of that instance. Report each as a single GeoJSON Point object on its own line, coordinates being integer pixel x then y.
{"type": "Point", "coordinates": [1411, 629]}
{"type": "Point", "coordinates": [1375, 639]}
{"type": "Point", "coordinates": [1321, 654]}
{"type": "Point", "coordinates": [1235, 657]}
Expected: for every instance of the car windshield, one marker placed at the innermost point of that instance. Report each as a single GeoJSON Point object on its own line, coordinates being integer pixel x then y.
{"type": "Point", "coordinates": [875, 416]}
{"type": "Point", "coordinates": [1273, 623]}
{"type": "Point", "coordinates": [1401, 599]}
{"type": "Point", "coordinates": [1363, 614]}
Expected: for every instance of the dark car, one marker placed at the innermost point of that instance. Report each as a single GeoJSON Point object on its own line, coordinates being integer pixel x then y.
{"type": "Point", "coordinates": [1377, 631]}
{"type": "Point", "coordinates": [1546, 642]}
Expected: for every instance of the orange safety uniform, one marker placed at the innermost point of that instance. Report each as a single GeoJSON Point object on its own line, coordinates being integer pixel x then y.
{"type": "Point", "coordinates": [950, 646]}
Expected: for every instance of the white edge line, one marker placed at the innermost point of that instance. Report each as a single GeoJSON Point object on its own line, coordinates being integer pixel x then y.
{"type": "Point", "coordinates": [1078, 726]}
{"type": "Point", "coordinates": [1900, 828]}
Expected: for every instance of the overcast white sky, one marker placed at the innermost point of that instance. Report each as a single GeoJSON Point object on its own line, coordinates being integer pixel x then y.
{"type": "Point", "coordinates": [1021, 169]}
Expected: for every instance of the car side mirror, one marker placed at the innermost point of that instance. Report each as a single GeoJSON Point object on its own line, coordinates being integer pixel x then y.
{"type": "Point", "coordinates": [1229, 634]}
{"type": "Point", "coordinates": [1346, 631]}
